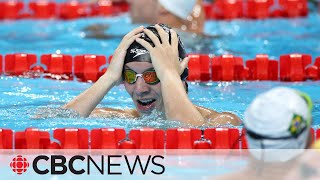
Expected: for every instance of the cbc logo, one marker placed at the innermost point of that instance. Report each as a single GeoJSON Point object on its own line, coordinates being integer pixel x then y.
{"type": "Point", "coordinates": [19, 164]}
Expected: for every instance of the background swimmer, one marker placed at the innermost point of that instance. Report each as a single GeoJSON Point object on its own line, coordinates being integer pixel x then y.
{"type": "Point", "coordinates": [179, 14]}
{"type": "Point", "coordinates": [277, 123]}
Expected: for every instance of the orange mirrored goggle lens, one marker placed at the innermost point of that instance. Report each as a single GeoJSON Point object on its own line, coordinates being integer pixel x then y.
{"type": "Point", "coordinates": [149, 77]}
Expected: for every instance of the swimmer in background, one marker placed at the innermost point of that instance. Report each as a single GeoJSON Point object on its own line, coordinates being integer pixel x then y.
{"type": "Point", "coordinates": [185, 17]}
{"type": "Point", "coordinates": [179, 14]}
{"type": "Point", "coordinates": [277, 125]}
{"type": "Point", "coordinates": [152, 64]}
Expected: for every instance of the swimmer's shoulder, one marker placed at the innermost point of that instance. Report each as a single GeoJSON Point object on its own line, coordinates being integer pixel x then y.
{"type": "Point", "coordinates": [114, 113]}
{"type": "Point", "coordinates": [215, 118]}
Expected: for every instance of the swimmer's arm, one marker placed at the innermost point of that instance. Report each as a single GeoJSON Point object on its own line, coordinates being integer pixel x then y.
{"type": "Point", "coordinates": [89, 99]}
{"type": "Point", "coordinates": [176, 102]}
{"type": "Point", "coordinates": [214, 118]}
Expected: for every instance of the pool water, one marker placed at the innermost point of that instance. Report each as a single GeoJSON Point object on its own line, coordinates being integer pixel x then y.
{"type": "Point", "coordinates": [20, 98]}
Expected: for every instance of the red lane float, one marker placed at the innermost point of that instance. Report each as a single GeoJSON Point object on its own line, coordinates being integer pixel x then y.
{"type": "Point", "coordinates": [199, 67]}
{"type": "Point", "coordinates": [127, 144]}
{"type": "Point", "coordinates": [313, 137]}
{"type": "Point", "coordinates": [182, 138]}
{"type": "Point", "coordinates": [147, 138]}
{"type": "Point", "coordinates": [43, 9]}
{"type": "Point", "coordinates": [10, 9]}
{"type": "Point", "coordinates": [312, 73]}
{"type": "Point", "coordinates": [262, 68]}
{"type": "Point", "coordinates": [258, 9]}
{"type": "Point", "coordinates": [106, 138]}
{"type": "Point", "coordinates": [223, 138]}
{"type": "Point", "coordinates": [317, 64]}
{"type": "Point", "coordinates": [294, 8]}
{"type": "Point", "coordinates": [87, 67]}
{"type": "Point", "coordinates": [19, 63]}
{"type": "Point", "coordinates": [317, 135]}
{"type": "Point", "coordinates": [292, 67]}
{"type": "Point", "coordinates": [202, 68]}
{"type": "Point", "coordinates": [110, 59]}
{"type": "Point", "coordinates": [224, 9]}
{"type": "Point", "coordinates": [73, 9]}
{"type": "Point", "coordinates": [244, 141]}
{"type": "Point", "coordinates": [6, 137]}
{"type": "Point", "coordinates": [108, 8]}
{"type": "Point", "coordinates": [72, 138]}
{"type": "Point", "coordinates": [104, 8]}
{"type": "Point", "coordinates": [58, 64]}
{"type": "Point", "coordinates": [227, 68]}
{"type": "Point", "coordinates": [220, 9]}
{"type": "Point", "coordinates": [0, 64]}
{"type": "Point", "coordinates": [202, 143]}
{"type": "Point", "coordinates": [32, 138]}
{"type": "Point", "coordinates": [115, 138]}
{"type": "Point", "coordinates": [122, 6]}
{"type": "Point", "coordinates": [194, 68]}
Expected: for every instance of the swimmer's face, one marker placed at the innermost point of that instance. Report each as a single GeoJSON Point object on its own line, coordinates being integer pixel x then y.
{"type": "Point", "coordinates": [146, 97]}
{"type": "Point", "coordinates": [143, 11]}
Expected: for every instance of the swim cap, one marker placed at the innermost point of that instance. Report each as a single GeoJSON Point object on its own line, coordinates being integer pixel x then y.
{"type": "Point", "coordinates": [137, 53]}
{"type": "Point", "coordinates": [278, 119]}
{"type": "Point", "coordinates": [180, 8]}
{"type": "Point", "coordinates": [316, 145]}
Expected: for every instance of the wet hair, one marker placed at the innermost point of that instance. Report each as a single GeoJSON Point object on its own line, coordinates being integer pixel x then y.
{"type": "Point", "coordinates": [137, 53]}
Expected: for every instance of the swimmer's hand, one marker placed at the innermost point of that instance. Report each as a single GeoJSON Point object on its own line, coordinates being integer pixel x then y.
{"type": "Point", "coordinates": [114, 72]}
{"type": "Point", "coordinates": [165, 56]}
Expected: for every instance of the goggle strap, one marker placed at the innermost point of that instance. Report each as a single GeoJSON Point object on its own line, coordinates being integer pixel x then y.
{"type": "Point", "coordinates": [259, 136]}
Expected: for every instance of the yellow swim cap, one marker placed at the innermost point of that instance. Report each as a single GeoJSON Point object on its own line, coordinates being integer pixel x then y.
{"type": "Point", "coordinates": [316, 145]}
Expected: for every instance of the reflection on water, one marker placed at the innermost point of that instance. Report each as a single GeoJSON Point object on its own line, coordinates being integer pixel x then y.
{"type": "Point", "coordinates": [21, 100]}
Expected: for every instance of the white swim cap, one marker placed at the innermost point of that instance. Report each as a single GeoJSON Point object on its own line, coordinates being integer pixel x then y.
{"type": "Point", "coordinates": [278, 119]}
{"type": "Point", "coordinates": [180, 8]}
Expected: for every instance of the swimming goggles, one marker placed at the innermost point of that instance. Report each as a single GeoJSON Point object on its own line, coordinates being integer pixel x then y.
{"type": "Point", "coordinates": [149, 76]}
{"type": "Point", "coordinates": [256, 136]}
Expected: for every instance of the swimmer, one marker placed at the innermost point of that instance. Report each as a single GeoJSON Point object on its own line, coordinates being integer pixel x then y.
{"type": "Point", "coordinates": [187, 18]}
{"type": "Point", "coordinates": [184, 16]}
{"type": "Point", "coordinates": [152, 64]}
{"type": "Point", "coordinates": [179, 14]}
{"type": "Point", "coordinates": [278, 132]}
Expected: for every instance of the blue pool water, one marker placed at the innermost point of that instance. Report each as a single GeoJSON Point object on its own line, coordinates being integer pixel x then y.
{"type": "Point", "coordinates": [21, 98]}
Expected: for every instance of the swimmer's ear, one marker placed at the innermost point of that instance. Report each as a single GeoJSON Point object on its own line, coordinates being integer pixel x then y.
{"type": "Point", "coordinates": [184, 64]}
